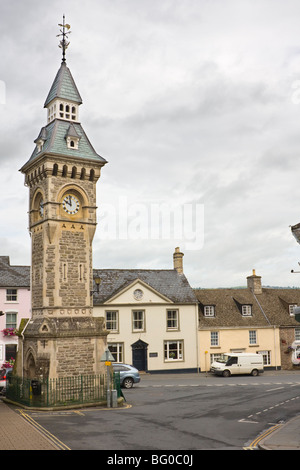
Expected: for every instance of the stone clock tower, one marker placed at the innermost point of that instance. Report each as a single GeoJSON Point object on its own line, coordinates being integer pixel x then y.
{"type": "Point", "coordinates": [62, 338]}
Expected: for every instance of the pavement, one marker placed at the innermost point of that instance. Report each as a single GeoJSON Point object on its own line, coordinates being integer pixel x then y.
{"type": "Point", "coordinates": [282, 437]}
{"type": "Point", "coordinates": [18, 432]}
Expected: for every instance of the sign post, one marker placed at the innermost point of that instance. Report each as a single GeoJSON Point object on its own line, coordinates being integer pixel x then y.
{"type": "Point", "coordinates": [107, 357]}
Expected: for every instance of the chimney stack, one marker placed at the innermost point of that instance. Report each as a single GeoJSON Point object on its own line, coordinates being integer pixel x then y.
{"type": "Point", "coordinates": [177, 259]}
{"type": "Point", "coordinates": [254, 283]}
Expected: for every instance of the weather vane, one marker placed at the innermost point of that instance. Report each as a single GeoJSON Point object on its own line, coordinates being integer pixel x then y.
{"type": "Point", "coordinates": [64, 43]}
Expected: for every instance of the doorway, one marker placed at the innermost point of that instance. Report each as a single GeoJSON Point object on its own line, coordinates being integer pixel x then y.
{"type": "Point", "coordinates": [139, 355]}
{"type": "Point", "coordinates": [30, 367]}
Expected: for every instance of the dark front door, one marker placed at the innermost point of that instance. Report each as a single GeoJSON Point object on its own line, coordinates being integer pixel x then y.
{"type": "Point", "coordinates": [139, 355]}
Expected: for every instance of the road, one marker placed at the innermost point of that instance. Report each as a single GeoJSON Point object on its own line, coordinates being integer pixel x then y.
{"type": "Point", "coordinates": [181, 412]}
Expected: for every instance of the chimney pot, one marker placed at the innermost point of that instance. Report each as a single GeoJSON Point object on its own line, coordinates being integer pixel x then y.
{"type": "Point", "coordinates": [178, 260]}
{"type": "Point", "coordinates": [254, 283]}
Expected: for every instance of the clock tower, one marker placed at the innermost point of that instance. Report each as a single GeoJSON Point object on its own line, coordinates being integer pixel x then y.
{"type": "Point", "coordinates": [62, 338]}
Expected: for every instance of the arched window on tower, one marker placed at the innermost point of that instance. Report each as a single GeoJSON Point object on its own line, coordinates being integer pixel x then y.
{"type": "Point", "coordinates": [74, 172]}
{"type": "Point", "coordinates": [73, 113]}
{"type": "Point", "coordinates": [55, 169]}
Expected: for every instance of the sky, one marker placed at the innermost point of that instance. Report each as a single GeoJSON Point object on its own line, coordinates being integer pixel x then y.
{"type": "Point", "coordinates": [195, 104]}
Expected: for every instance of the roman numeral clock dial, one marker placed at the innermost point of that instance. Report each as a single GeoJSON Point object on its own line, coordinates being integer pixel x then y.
{"type": "Point", "coordinates": [70, 204]}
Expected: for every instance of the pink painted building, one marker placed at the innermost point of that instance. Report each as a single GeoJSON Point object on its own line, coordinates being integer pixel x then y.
{"type": "Point", "coordinates": [15, 304]}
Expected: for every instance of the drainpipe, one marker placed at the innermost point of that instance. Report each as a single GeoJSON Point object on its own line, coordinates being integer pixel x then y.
{"type": "Point", "coordinates": [197, 335]}
{"type": "Point", "coordinates": [275, 347]}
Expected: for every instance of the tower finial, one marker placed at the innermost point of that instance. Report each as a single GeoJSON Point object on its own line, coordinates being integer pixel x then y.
{"type": "Point", "coordinates": [64, 43]}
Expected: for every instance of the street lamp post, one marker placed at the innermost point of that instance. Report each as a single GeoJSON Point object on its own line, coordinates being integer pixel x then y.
{"type": "Point", "coordinates": [97, 280]}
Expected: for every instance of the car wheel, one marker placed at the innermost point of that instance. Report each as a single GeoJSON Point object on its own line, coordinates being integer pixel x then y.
{"type": "Point", "coordinates": [128, 382]}
{"type": "Point", "coordinates": [254, 373]}
{"type": "Point", "coordinates": [226, 373]}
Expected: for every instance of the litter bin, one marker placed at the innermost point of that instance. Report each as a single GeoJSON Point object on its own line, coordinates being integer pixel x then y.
{"type": "Point", "coordinates": [36, 387]}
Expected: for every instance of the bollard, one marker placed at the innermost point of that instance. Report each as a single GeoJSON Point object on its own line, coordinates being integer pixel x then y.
{"type": "Point", "coordinates": [114, 399]}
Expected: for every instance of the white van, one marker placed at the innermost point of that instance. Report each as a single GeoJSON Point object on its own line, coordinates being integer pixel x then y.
{"type": "Point", "coordinates": [238, 363]}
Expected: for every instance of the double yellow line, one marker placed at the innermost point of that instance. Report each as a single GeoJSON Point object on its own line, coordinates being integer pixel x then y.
{"type": "Point", "coordinates": [54, 440]}
{"type": "Point", "coordinates": [262, 436]}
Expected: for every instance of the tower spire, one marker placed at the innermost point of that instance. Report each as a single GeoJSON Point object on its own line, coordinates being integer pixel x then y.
{"type": "Point", "coordinates": [64, 42]}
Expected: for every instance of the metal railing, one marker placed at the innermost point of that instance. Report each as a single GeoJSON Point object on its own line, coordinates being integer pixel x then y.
{"type": "Point", "coordinates": [59, 392]}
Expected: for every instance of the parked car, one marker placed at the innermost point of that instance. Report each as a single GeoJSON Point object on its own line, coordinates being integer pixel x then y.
{"type": "Point", "coordinates": [128, 374]}
{"type": "Point", "coordinates": [3, 376]}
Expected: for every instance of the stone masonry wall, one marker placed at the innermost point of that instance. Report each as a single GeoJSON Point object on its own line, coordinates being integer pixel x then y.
{"type": "Point", "coordinates": [287, 337]}
{"type": "Point", "coordinates": [76, 357]}
{"type": "Point", "coordinates": [37, 269]}
{"type": "Point", "coordinates": [73, 273]}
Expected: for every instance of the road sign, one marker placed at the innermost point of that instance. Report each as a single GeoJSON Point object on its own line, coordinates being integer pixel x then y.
{"type": "Point", "coordinates": [107, 356]}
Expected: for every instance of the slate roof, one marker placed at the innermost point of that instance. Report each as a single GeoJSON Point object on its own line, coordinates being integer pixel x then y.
{"type": "Point", "coordinates": [55, 142]}
{"type": "Point", "coordinates": [54, 134]}
{"type": "Point", "coordinates": [167, 282]}
{"type": "Point", "coordinates": [13, 276]}
{"type": "Point", "coordinates": [276, 303]}
{"type": "Point", "coordinates": [63, 87]}
{"type": "Point", "coordinates": [271, 307]}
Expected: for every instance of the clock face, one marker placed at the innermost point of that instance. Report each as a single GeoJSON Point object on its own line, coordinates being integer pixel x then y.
{"type": "Point", "coordinates": [138, 294]}
{"type": "Point", "coordinates": [70, 204]}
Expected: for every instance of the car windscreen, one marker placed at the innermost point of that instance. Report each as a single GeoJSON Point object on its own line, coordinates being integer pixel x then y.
{"type": "Point", "coordinates": [223, 358]}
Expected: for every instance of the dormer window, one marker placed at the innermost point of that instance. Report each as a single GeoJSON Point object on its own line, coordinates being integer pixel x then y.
{"type": "Point", "coordinates": [72, 143]}
{"type": "Point", "coordinates": [209, 310]}
{"type": "Point", "coordinates": [291, 309]}
{"type": "Point", "coordinates": [40, 145]}
{"type": "Point", "coordinates": [41, 139]}
{"type": "Point", "coordinates": [72, 138]}
{"type": "Point", "coordinates": [246, 310]}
